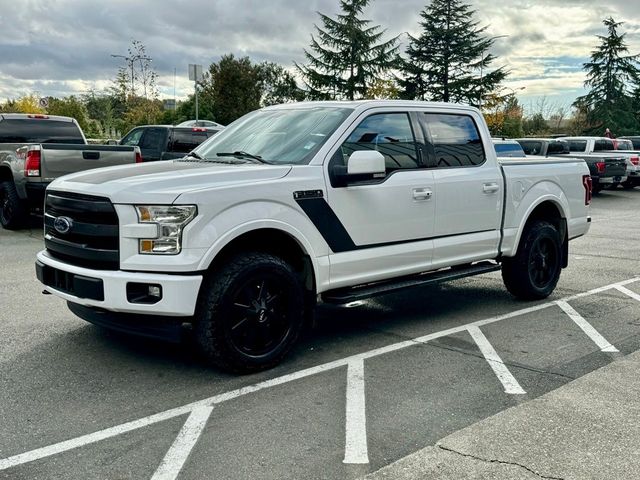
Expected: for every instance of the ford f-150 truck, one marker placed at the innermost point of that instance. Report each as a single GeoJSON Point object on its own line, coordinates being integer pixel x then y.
{"type": "Point", "coordinates": [34, 150]}
{"type": "Point", "coordinates": [604, 147]}
{"type": "Point", "coordinates": [606, 168]}
{"type": "Point", "coordinates": [291, 204]}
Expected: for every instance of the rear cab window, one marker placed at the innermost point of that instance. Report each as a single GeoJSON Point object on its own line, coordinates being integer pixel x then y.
{"type": "Point", "coordinates": [509, 150]}
{"type": "Point", "coordinates": [39, 130]}
{"type": "Point", "coordinates": [603, 144]}
{"type": "Point", "coordinates": [577, 145]}
{"type": "Point", "coordinates": [185, 140]}
{"type": "Point", "coordinates": [530, 147]}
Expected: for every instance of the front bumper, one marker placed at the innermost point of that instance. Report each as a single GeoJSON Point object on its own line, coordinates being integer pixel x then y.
{"type": "Point", "coordinates": [107, 289]}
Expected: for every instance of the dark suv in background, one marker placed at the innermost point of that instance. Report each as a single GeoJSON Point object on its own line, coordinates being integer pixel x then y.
{"type": "Point", "coordinates": [165, 142]}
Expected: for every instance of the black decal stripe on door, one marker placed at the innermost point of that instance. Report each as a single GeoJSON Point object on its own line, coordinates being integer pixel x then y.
{"type": "Point", "coordinates": [337, 237]}
{"type": "Point", "coordinates": [327, 223]}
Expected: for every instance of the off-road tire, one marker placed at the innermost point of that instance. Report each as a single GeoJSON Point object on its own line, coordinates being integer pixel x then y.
{"type": "Point", "coordinates": [535, 270]}
{"type": "Point", "coordinates": [12, 208]}
{"type": "Point", "coordinates": [223, 296]}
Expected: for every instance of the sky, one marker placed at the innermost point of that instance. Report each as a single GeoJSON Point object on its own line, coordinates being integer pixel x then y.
{"type": "Point", "coordinates": [64, 47]}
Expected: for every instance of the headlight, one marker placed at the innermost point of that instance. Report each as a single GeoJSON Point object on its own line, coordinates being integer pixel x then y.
{"type": "Point", "coordinates": [171, 219]}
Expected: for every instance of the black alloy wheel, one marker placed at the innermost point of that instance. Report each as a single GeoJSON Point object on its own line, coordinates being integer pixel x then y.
{"type": "Point", "coordinates": [258, 320]}
{"type": "Point", "coordinates": [250, 313]}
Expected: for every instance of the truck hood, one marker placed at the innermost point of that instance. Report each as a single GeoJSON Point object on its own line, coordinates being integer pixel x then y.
{"type": "Point", "coordinates": [163, 182]}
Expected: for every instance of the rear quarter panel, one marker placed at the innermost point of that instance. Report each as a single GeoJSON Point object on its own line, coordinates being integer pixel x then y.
{"type": "Point", "coordinates": [530, 183]}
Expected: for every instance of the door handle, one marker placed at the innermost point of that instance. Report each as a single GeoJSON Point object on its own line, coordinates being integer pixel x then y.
{"type": "Point", "coordinates": [422, 193]}
{"type": "Point", "coordinates": [490, 187]}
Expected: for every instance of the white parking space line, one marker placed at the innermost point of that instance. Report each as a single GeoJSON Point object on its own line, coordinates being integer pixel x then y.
{"type": "Point", "coordinates": [586, 327]}
{"type": "Point", "coordinates": [627, 292]}
{"type": "Point", "coordinates": [355, 448]}
{"type": "Point", "coordinates": [177, 455]}
{"type": "Point", "coordinates": [111, 432]}
{"type": "Point", "coordinates": [510, 384]}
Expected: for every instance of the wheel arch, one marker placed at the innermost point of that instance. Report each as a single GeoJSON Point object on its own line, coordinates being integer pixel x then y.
{"type": "Point", "coordinates": [551, 210]}
{"type": "Point", "coordinates": [266, 238]}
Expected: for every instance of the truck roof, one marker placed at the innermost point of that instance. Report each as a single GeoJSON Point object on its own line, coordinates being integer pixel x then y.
{"type": "Point", "coordinates": [355, 104]}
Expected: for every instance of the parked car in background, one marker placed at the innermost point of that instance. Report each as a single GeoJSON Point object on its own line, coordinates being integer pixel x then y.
{"type": "Point", "coordinates": [605, 169]}
{"type": "Point", "coordinates": [166, 142]}
{"type": "Point", "coordinates": [200, 123]}
{"type": "Point", "coordinates": [507, 148]}
{"type": "Point", "coordinates": [635, 140]}
{"type": "Point", "coordinates": [608, 147]}
{"type": "Point", "coordinates": [624, 145]}
{"type": "Point", "coordinates": [37, 149]}
{"type": "Point", "coordinates": [363, 198]}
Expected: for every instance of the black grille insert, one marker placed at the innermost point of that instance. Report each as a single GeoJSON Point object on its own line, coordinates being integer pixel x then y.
{"type": "Point", "coordinates": [87, 233]}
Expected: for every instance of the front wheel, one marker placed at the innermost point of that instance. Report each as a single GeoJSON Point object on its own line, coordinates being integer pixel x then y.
{"type": "Point", "coordinates": [250, 313]}
{"type": "Point", "coordinates": [535, 270]}
{"type": "Point", "coordinates": [12, 210]}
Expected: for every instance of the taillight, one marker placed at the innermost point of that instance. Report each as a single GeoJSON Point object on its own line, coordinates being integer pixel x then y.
{"type": "Point", "coordinates": [600, 166]}
{"type": "Point", "coordinates": [32, 163]}
{"type": "Point", "coordinates": [587, 183]}
{"type": "Point", "coordinates": [198, 129]}
{"type": "Point", "coordinates": [138, 157]}
{"type": "Point", "coordinates": [635, 160]}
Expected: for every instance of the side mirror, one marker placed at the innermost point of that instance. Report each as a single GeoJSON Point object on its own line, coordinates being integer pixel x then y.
{"type": "Point", "coordinates": [365, 162]}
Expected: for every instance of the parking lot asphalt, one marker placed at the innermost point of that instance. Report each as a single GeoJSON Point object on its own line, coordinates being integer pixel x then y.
{"type": "Point", "coordinates": [373, 382]}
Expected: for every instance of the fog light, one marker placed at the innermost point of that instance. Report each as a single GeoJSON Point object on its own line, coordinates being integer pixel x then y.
{"type": "Point", "coordinates": [144, 293]}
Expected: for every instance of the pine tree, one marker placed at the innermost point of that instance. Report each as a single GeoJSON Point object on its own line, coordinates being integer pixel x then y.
{"type": "Point", "coordinates": [347, 56]}
{"type": "Point", "coordinates": [612, 74]}
{"type": "Point", "coordinates": [449, 60]}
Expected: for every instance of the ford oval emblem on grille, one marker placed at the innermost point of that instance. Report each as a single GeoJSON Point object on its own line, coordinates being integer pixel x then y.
{"type": "Point", "coordinates": [63, 224]}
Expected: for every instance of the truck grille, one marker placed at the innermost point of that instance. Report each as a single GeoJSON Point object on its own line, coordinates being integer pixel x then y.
{"type": "Point", "coordinates": [81, 230]}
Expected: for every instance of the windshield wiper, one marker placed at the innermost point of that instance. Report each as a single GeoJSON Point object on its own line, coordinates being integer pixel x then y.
{"type": "Point", "coordinates": [243, 154]}
{"type": "Point", "coordinates": [196, 156]}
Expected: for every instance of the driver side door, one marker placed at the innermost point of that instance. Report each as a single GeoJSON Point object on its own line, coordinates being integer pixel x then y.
{"type": "Point", "coordinates": [383, 224]}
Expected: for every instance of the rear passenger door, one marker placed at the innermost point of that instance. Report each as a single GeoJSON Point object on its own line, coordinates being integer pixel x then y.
{"type": "Point", "coordinates": [468, 190]}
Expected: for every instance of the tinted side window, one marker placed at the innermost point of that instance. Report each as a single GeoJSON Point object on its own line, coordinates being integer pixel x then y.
{"type": "Point", "coordinates": [184, 141]}
{"type": "Point", "coordinates": [132, 138]}
{"type": "Point", "coordinates": [388, 133]}
{"type": "Point", "coordinates": [32, 130]}
{"type": "Point", "coordinates": [456, 140]}
{"type": "Point", "coordinates": [530, 147]}
{"type": "Point", "coordinates": [577, 145]}
{"type": "Point", "coordinates": [558, 147]}
{"type": "Point", "coordinates": [603, 145]}
{"type": "Point", "coordinates": [153, 139]}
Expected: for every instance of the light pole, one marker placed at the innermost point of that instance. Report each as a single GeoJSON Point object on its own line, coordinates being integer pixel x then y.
{"type": "Point", "coordinates": [131, 59]}
{"type": "Point", "coordinates": [482, 65]}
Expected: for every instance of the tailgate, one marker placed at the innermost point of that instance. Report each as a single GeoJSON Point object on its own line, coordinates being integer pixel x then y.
{"type": "Point", "coordinates": [615, 167]}
{"type": "Point", "coordinates": [58, 160]}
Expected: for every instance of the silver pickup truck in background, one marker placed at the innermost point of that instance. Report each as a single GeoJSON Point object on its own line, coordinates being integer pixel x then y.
{"type": "Point", "coordinates": [37, 149]}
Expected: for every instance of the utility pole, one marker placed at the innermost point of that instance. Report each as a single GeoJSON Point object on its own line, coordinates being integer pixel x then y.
{"type": "Point", "coordinates": [130, 60]}
{"type": "Point", "coordinates": [195, 74]}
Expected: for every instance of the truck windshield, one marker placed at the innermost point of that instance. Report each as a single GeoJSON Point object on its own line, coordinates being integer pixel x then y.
{"type": "Point", "coordinates": [279, 136]}
{"type": "Point", "coordinates": [32, 130]}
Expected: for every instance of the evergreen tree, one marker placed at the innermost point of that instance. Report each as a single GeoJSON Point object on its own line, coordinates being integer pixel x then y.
{"type": "Point", "coordinates": [449, 60]}
{"type": "Point", "coordinates": [347, 56]}
{"type": "Point", "coordinates": [611, 74]}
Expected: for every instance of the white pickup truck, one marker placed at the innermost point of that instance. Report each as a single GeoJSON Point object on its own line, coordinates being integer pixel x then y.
{"type": "Point", "coordinates": [291, 204]}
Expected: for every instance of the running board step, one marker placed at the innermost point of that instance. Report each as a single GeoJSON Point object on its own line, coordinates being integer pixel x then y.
{"type": "Point", "coordinates": [361, 292]}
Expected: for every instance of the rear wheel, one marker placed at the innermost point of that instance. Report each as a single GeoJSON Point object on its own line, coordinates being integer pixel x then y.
{"type": "Point", "coordinates": [250, 313]}
{"type": "Point", "coordinates": [12, 209]}
{"type": "Point", "coordinates": [628, 185]}
{"type": "Point", "coordinates": [535, 270]}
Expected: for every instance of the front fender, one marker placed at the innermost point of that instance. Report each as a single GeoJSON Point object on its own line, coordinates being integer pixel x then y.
{"type": "Point", "coordinates": [230, 224]}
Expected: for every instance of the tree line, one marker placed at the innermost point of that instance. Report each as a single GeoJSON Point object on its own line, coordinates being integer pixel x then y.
{"type": "Point", "coordinates": [349, 57]}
